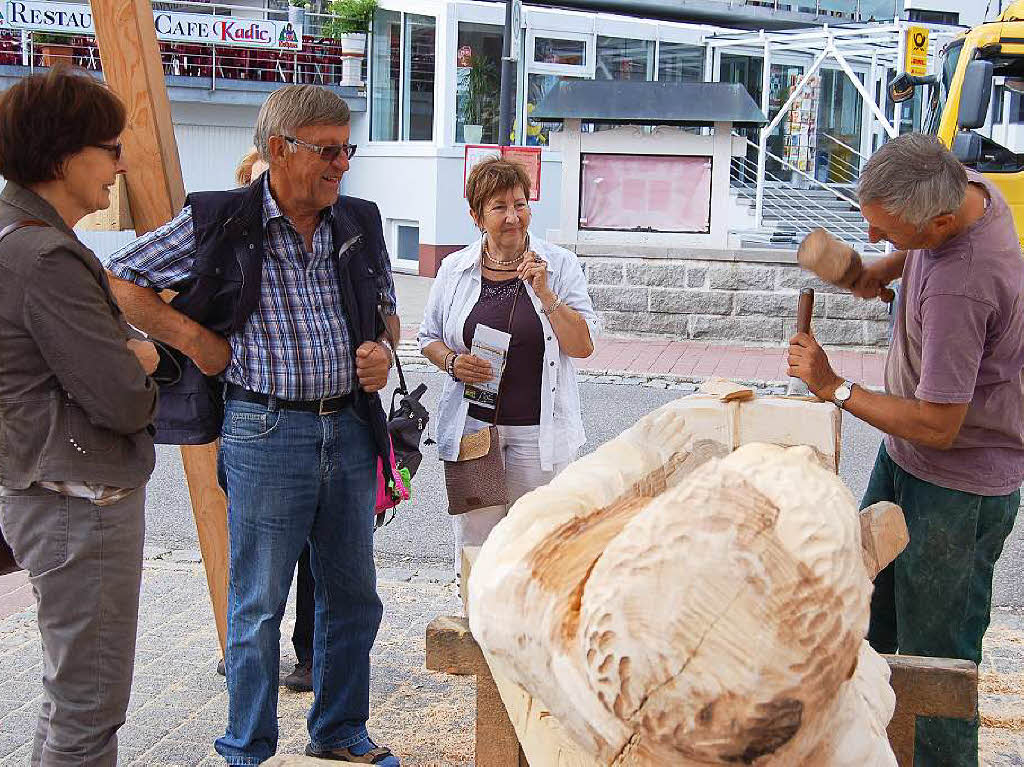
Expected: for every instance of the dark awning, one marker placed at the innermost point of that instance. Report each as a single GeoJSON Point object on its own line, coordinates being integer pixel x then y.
{"type": "Point", "coordinates": [649, 103]}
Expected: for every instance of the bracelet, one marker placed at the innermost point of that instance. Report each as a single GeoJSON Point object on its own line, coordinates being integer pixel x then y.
{"type": "Point", "coordinates": [449, 364]}
{"type": "Point", "coordinates": [553, 307]}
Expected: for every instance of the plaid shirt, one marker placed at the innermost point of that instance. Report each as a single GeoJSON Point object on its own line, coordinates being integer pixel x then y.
{"type": "Point", "coordinates": [295, 345]}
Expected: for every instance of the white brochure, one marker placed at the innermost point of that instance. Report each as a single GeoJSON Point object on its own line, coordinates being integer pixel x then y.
{"type": "Point", "coordinates": [491, 345]}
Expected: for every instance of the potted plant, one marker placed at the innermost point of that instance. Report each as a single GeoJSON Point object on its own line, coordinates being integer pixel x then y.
{"type": "Point", "coordinates": [55, 48]}
{"type": "Point", "coordinates": [349, 22]}
{"type": "Point", "coordinates": [481, 86]}
{"type": "Point", "coordinates": [297, 13]}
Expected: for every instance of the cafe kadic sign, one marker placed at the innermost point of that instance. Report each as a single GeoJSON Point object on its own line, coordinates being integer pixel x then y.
{"type": "Point", "coordinates": [74, 18]}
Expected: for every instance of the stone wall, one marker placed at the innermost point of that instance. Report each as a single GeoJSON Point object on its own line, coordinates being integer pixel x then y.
{"type": "Point", "coordinates": [721, 300]}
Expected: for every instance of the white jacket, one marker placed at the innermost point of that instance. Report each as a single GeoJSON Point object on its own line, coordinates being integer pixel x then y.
{"type": "Point", "coordinates": [453, 295]}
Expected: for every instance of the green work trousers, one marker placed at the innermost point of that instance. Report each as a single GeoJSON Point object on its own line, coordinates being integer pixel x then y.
{"type": "Point", "coordinates": [935, 599]}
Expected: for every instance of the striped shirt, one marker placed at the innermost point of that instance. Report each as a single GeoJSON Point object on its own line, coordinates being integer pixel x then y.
{"type": "Point", "coordinates": [295, 345]}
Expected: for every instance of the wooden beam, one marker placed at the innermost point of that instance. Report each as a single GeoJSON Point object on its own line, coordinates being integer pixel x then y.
{"type": "Point", "coordinates": [133, 70]}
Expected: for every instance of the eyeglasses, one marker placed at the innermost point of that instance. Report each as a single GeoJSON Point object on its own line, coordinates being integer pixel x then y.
{"type": "Point", "coordinates": [328, 153]}
{"type": "Point", "coordinates": [114, 149]}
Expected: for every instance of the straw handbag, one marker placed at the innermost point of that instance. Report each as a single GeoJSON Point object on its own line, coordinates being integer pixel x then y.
{"type": "Point", "coordinates": [476, 479]}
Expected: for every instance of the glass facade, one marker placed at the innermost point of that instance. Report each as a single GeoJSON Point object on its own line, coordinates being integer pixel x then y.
{"type": "Point", "coordinates": [386, 74]}
{"type": "Point", "coordinates": [619, 58]}
{"type": "Point", "coordinates": [680, 63]}
{"type": "Point", "coordinates": [402, 77]}
{"type": "Point", "coordinates": [477, 83]}
{"type": "Point", "coordinates": [418, 83]}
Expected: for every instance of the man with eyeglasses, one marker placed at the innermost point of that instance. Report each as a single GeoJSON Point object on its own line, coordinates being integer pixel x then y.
{"type": "Point", "coordinates": [278, 291]}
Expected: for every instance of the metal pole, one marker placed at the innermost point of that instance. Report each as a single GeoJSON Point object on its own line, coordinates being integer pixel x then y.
{"type": "Point", "coordinates": [762, 142]}
{"type": "Point", "coordinates": [506, 102]}
{"type": "Point", "coordinates": [901, 57]}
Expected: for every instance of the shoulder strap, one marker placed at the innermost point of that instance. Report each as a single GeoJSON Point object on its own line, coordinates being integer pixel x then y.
{"type": "Point", "coordinates": [394, 347]}
{"type": "Point", "coordinates": [511, 316]}
{"type": "Point", "coordinates": [10, 228]}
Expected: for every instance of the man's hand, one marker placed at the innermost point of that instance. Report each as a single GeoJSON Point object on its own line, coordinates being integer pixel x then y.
{"type": "Point", "coordinates": [472, 369]}
{"type": "Point", "coordinates": [145, 352]}
{"type": "Point", "coordinates": [872, 279]}
{"type": "Point", "coordinates": [210, 351]}
{"type": "Point", "coordinates": [807, 361]}
{"type": "Point", "coordinates": [373, 361]}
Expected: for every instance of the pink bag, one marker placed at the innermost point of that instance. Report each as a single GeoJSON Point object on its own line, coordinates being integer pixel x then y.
{"type": "Point", "coordinates": [389, 498]}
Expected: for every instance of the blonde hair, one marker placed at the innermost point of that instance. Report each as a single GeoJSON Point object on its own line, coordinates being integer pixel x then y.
{"type": "Point", "coordinates": [494, 176]}
{"type": "Point", "coordinates": [243, 173]}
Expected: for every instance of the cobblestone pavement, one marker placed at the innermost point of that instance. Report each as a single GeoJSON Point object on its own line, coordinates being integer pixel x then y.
{"type": "Point", "coordinates": [179, 704]}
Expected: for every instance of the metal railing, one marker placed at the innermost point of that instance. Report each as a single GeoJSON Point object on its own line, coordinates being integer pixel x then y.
{"type": "Point", "coordinates": [322, 60]}
{"type": "Point", "coordinates": [795, 209]}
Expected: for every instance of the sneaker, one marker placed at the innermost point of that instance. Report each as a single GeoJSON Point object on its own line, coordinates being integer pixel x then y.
{"type": "Point", "coordinates": [363, 752]}
{"type": "Point", "coordinates": [301, 678]}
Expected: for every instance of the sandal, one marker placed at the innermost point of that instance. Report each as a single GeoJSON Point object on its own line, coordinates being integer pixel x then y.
{"type": "Point", "coordinates": [375, 755]}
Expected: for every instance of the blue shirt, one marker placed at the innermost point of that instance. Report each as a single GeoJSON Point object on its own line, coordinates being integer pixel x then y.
{"type": "Point", "coordinates": [295, 345]}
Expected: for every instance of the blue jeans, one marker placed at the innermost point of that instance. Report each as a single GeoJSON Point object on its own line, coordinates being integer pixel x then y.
{"type": "Point", "coordinates": [936, 598]}
{"type": "Point", "coordinates": [292, 476]}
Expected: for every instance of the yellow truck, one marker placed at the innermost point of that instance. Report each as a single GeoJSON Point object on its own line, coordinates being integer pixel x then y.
{"type": "Point", "coordinates": [988, 138]}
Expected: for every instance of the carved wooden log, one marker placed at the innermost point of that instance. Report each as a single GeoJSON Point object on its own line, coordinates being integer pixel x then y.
{"type": "Point", "coordinates": [672, 602]}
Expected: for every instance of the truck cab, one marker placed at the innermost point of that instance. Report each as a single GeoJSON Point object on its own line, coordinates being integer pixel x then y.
{"type": "Point", "coordinates": [988, 58]}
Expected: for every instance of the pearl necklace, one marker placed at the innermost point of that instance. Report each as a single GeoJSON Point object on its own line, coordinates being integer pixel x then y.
{"type": "Point", "coordinates": [488, 257]}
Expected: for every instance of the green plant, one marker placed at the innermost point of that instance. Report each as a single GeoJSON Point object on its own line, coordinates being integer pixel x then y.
{"type": "Point", "coordinates": [348, 16]}
{"type": "Point", "coordinates": [48, 38]}
{"type": "Point", "coordinates": [481, 86]}
{"type": "Point", "coordinates": [299, 3]}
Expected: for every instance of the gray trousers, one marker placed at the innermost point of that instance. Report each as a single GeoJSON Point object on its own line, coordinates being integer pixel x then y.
{"type": "Point", "coordinates": [85, 566]}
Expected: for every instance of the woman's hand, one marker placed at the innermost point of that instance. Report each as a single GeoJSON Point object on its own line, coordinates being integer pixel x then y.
{"type": "Point", "coordinates": [471, 369]}
{"type": "Point", "coordinates": [145, 352]}
{"type": "Point", "coordinates": [534, 271]}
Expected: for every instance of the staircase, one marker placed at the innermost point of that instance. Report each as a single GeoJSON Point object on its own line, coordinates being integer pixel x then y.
{"type": "Point", "coordinates": [789, 213]}
{"type": "Point", "coordinates": [792, 208]}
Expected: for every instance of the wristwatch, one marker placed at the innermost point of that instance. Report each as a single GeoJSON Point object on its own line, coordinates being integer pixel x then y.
{"type": "Point", "coordinates": [842, 393]}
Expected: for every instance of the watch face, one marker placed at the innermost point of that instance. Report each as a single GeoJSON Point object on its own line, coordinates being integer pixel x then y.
{"type": "Point", "coordinates": [842, 393]}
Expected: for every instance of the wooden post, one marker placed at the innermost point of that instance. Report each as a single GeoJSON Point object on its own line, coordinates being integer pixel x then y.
{"type": "Point", "coordinates": [133, 70]}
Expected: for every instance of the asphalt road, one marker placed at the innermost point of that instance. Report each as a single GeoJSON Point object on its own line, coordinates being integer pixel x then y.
{"type": "Point", "coordinates": [420, 535]}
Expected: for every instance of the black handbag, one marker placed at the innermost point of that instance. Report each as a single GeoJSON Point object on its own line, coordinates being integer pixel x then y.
{"type": "Point", "coordinates": [191, 405]}
{"type": "Point", "coordinates": [407, 420]}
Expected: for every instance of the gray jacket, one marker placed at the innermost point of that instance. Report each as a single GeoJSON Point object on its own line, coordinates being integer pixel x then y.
{"type": "Point", "coordinates": [75, 405]}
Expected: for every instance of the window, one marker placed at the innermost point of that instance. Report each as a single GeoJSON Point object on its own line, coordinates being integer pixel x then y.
{"type": "Point", "coordinates": [552, 58]}
{"type": "Point", "coordinates": [619, 58]}
{"type": "Point", "coordinates": [478, 83]}
{"type": "Point", "coordinates": [537, 87]}
{"type": "Point", "coordinates": [385, 71]}
{"type": "Point", "coordinates": [651, 193]}
{"type": "Point", "coordinates": [402, 77]}
{"type": "Point", "coordinates": [406, 238]}
{"type": "Point", "coordinates": [933, 17]}
{"type": "Point", "coordinates": [680, 63]}
{"type": "Point", "coordinates": [561, 53]}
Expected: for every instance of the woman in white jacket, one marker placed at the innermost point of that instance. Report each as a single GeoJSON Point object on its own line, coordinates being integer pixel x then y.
{"type": "Point", "coordinates": [553, 321]}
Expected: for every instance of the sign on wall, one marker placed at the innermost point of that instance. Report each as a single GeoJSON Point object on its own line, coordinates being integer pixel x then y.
{"type": "Point", "coordinates": [917, 51]}
{"type": "Point", "coordinates": [76, 19]}
{"type": "Point", "coordinates": [527, 156]}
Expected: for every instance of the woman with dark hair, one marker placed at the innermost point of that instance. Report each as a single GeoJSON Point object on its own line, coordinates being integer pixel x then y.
{"type": "Point", "coordinates": [76, 403]}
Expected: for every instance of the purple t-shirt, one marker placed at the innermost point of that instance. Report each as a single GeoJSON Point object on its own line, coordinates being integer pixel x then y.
{"type": "Point", "coordinates": [959, 338]}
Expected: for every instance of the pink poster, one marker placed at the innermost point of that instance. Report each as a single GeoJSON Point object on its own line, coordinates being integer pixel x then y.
{"type": "Point", "coordinates": [655, 193]}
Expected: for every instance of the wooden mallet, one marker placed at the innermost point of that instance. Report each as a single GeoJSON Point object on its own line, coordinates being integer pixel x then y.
{"type": "Point", "coordinates": [834, 261]}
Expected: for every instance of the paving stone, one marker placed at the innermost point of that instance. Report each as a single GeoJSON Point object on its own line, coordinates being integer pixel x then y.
{"type": "Point", "coordinates": [619, 298]}
{"type": "Point", "coordinates": [690, 301]}
{"type": "Point", "coordinates": [741, 277]}
{"type": "Point", "coordinates": [696, 276]}
{"type": "Point", "coordinates": [671, 275]}
{"type": "Point", "coordinates": [603, 272]}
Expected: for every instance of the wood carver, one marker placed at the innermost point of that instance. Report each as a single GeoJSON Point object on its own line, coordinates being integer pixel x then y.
{"type": "Point", "coordinates": [684, 596]}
